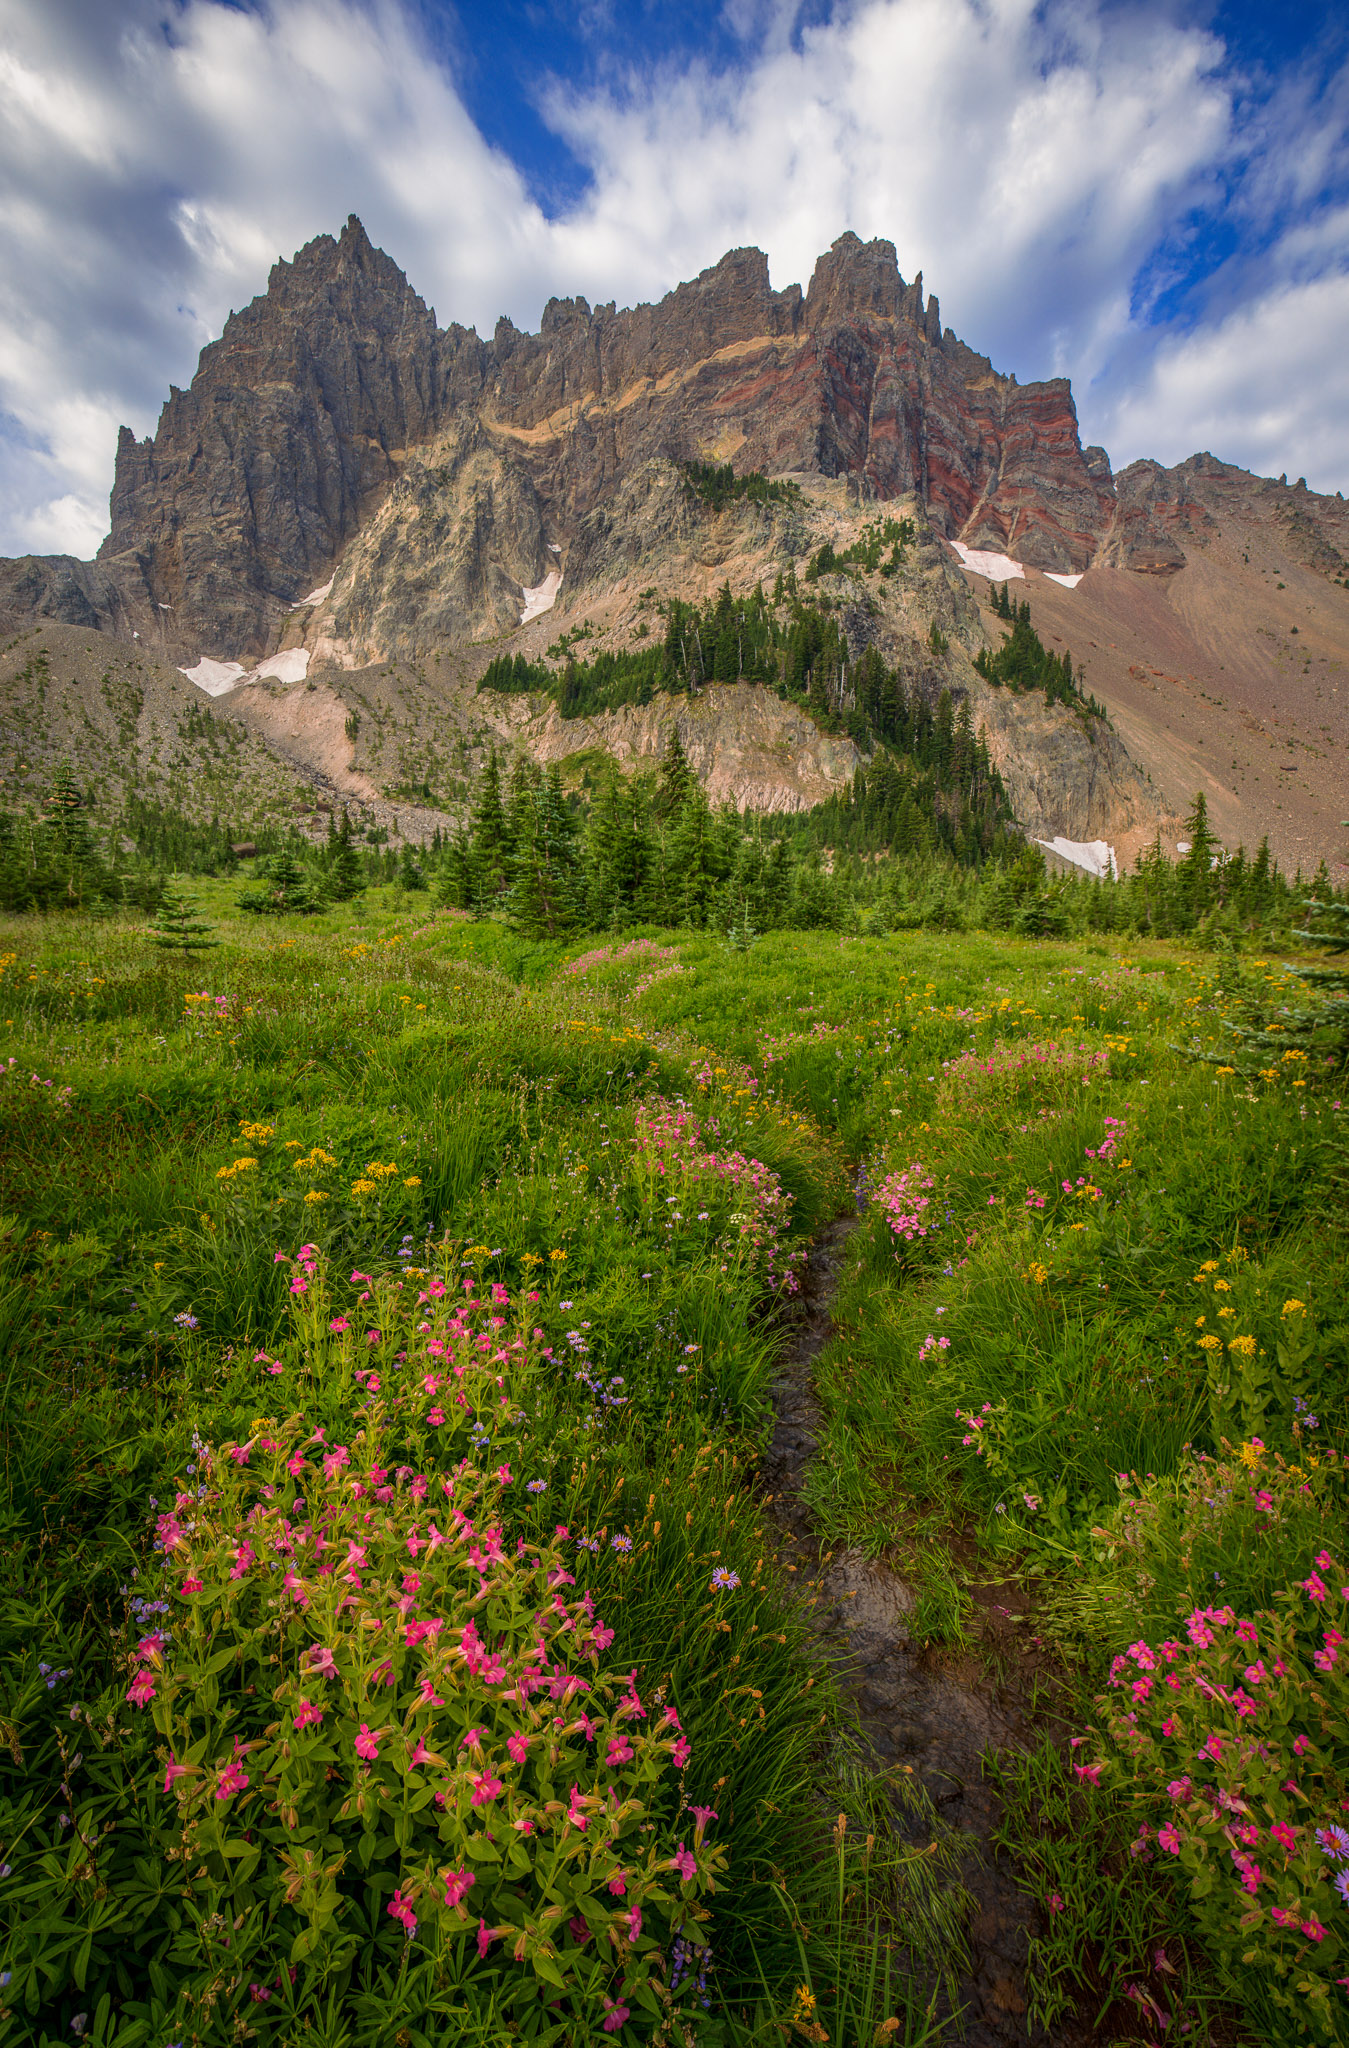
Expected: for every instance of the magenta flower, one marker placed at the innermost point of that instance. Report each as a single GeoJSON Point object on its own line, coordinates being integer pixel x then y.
{"type": "Point", "coordinates": [486, 1936]}
{"type": "Point", "coordinates": [457, 1883]}
{"type": "Point", "coordinates": [680, 1753]}
{"type": "Point", "coordinates": [319, 1662]}
{"type": "Point", "coordinates": [367, 1744]}
{"type": "Point", "coordinates": [141, 1690]}
{"type": "Point", "coordinates": [232, 1779]}
{"type": "Point", "coordinates": [175, 1770]}
{"type": "Point", "coordinates": [684, 1863]}
{"type": "Point", "coordinates": [307, 1714]}
{"type": "Point", "coordinates": [618, 1752]}
{"type": "Point", "coordinates": [190, 1585]}
{"type": "Point", "coordinates": [614, 2017]}
{"type": "Point", "coordinates": [1168, 1839]}
{"type": "Point", "coordinates": [702, 1815]}
{"type": "Point", "coordinates": [485, 1788]}
{"type": "Point", "coordinates": [400, 1908]}
{"type": "Point", "coordinates": [518, 1745]}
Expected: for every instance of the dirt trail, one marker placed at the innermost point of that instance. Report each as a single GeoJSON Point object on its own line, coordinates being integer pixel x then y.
{"type": "Point", "coordinates": [909, 1709]}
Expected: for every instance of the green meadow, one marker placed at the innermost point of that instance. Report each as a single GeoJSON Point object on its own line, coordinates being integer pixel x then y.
{"type": "Point", "coordinates": [394, 1642]}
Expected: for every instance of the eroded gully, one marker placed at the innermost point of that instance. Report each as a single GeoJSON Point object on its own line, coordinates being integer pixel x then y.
{"type": "Point", "coordinates": [910, 1709]}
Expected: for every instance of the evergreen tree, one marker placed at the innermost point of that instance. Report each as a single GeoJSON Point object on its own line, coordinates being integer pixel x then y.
{"type": "Point", "coordinates": [676, 779]}
{"type": "Point", "coordinates": [1198, 886]}
{"type": "Point", "coordinates": [491, 833]}
{"type": "Point", "coordinates": [546, 887]}
{"type": "Point", "coordinates": [345, 879]}
{"type": "Point", "coordinates": [286, 890]}
{"type": "Point", "coordinates": [177, 926]}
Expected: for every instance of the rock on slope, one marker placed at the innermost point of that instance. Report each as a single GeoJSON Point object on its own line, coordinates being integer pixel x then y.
{"type": "Point", "coordinates": [346, 479]}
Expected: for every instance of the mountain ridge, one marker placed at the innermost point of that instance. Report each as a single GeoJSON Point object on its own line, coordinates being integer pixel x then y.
{"type": "Point", "coordinates": [349, 481]}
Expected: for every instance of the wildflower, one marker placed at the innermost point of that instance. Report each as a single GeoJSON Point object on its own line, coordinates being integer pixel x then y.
{"type": "Point", "coordinates": [723, 1580]}
{"type": "Point", "coordinates": [190, 1585]}
{"type": "Point", "coordinates": [1168, 1839]}
{"type": "Point", "coordinates": [141, 1690]}
{"type": "Point", "coordinates": [485, 1787]}
{"type": "Point", "coordinates": [400, 1908]}
{"type": "Point", "coordinates": [684, 1863]}
{"type": "Point", "coordinates": [232, 1779]}
{"type": "Point", "coordinates": [518, 1745]}
{"type": "Point", "coordinates": [457, 1883]}
{"type": "Point", "coordinates": [1334, 1842]}
{"type": "Point", "coordinates": [618, 1752]}
{"type": "Point", "coordinates": [536, 1486]}
{"type": "Point", "coordinates": [615, 2016]}
{"type": "Point", "coordinates": [307, 1715]}
{"type": "Point", "coordinates": [367, 1744]}
{"type": "Point", "coordinates": [702, 1815]}
{"type": "Point", "coordinates": [1089, 1773]}
{"type": "Point", "coordinates": [1031, 1502]}
{"type": "Point", "coordinates": [319, 1662]}
{"type": "Point", "coordinates": [621, 1543]}
{"type": "Point", "coordinates": [175, 1770]}
{"type": "Point", "coordinates": [680, 1753]}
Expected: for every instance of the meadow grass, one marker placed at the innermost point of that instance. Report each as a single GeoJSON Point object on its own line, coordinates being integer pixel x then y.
{"type": "Point", "coordinates": [1018, 1385]}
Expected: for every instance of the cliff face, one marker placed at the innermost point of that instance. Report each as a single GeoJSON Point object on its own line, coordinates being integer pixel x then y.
{"type": "Point", "coordinates": [296, 419]}
{"type": "Point", "coordinates": [336, 384]}
{"type": "Point", "coordinates": [346, 479]}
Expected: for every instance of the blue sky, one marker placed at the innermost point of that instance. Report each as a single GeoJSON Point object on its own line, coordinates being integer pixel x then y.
{"type": "Point", "coordinates": [1151, 199]}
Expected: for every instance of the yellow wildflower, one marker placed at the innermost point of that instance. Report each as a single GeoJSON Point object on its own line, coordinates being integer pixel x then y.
{"type": "Point", "coordinates": [1244, 1345]}
{"type": "Point", "coordinates": [413, 1181]}
{"type": "Point", "coordinates": [363, 1187]}
{"type": "Point", "coordinates": [559, 1257]}
{"type": "Point", "coordinates": [1222, 1287]}
{"type": "Point", "coordinates": [1210, 1343]}
{"type": "Point", "coordinates": [316, 1195]}
{"type": "Point", "coordinates": [1295, 1308]}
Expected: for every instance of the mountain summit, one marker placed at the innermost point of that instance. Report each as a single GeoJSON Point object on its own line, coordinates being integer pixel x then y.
{"type": "Point", "coordinates": [346, 483]}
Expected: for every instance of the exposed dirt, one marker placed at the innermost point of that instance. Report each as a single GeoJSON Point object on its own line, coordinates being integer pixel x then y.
{"type": "Point", "coordinates": [1230, 675]}
{"type": "Point", "coordinates": [913, 1707]}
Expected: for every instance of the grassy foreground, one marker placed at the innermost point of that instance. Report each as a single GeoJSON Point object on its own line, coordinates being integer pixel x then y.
{"type": "Point", "coordinates": [391, 1645]}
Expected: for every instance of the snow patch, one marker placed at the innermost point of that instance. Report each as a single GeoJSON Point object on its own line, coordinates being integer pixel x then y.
{"type": "Point", "coordinates": [554, 548]}
{"type": "Point", "coordinates": [998, 568]}
{"type": "Point", "coordinates": [1096, 856]}
{"type": "Point", "coordinates": [215, 677]}
{"type": "Point", "coordinates": [317, 596]}
{"type": "Point", "coordinates": [290, 666]}
{"type": "Point", "coordinates": [541, 597]}
{"type": "Point", "coordinates": [1068, 582]}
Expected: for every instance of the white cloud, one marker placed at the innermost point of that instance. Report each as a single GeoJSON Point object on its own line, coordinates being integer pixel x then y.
{"type": "Point", "coordinates": [158, 155]}
{"type": "Point", "coordinates": [1267, 387]}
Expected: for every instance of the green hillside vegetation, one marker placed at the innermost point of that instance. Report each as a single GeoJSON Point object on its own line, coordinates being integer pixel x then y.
{"type": "Point", "coordinates": [1024, 663]}
{"type": "Point", "coordinates": [878, 550]}
{"type": "Point", "coordinates": [716, 484]}
{"type": "Point", "coordinates": [407, 1243]}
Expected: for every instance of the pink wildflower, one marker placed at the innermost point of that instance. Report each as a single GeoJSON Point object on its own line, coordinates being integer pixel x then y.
{"type": "Point", "coordinates": [367, 1744]}
{"type": "Point", "coordinates": [141, 1690]}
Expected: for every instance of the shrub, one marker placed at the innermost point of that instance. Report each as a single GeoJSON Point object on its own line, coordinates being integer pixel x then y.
{"type": "Point", "coordinates": [1233, 1743]}
{"type": "Point", "coordinates": [390, 1743]}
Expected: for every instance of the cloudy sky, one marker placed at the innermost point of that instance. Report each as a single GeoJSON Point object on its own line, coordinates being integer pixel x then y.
{"type": "Point", "coordinates": [1152, 199]}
